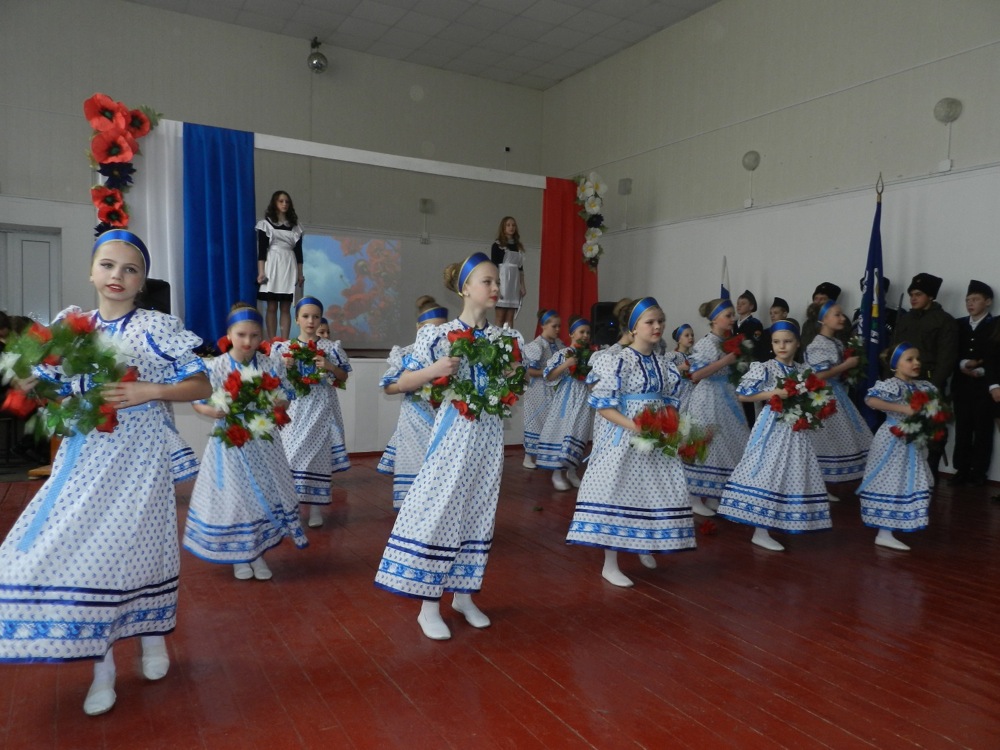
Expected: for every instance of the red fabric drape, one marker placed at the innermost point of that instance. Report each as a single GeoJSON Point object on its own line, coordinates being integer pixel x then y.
{"type": "Point", "coordinates": [567, 284]}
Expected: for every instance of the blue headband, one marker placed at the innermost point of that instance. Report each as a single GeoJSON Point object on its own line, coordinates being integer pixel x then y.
{"type": "Point", "coordinates": [547, 316]}
{"type": "Point", "coordinates": [898, 352]}
{"type": "Point", "coordinates": [725, 304]}
{"type": "Point", "coordinates": [308, 301]}
{"type": "Point", "coordinates": [827, 306]}
{"type": "Point", "coordinates": [434, 312]}
{"type": "Point", "coordinates": [123, 235]}
{"type": "Point", "coordinates": [470, 263]}
{"type": "Point", "coordinates": [577, 323]}
{"type": "Point", "coordinates": [324, 321]}
{"type": "Point", "coordinates": [638, 309]}
{"type": "Point", "coordinates": [785, 325]}
{"type": "Point", "coordinates": [244, 313]}
{"type": "Point", "coordinates": [679, 330]}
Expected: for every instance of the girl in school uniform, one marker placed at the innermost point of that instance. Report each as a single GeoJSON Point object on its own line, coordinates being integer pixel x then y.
{"type": "Point", "coordinates": [279, 261]}
{"type": "Point", "coordinates": [538, 395]}
{"type": "Point", "coordinates": [630, 500]}
{"type": "Point", "coordinates": [314, 440]}
{"type": "Point", "coordinates": [568, 423]}
{"type": "Point", "coordinates": [896, 490]}
{"type": "Point", "coordinates": [405, 452]}
{"type": "Point", "coordinates": [507, 254]}
{"type": "Point", "coordinates": [442, 536]}
{"type": "Point", "coordinates": [244, 500]}
{"type": "Point", "coordinates": [712, 405]}
{"type": "Point", "coordinates": [778, 484]}
{"type": "Point", "coordinates": [842, 445]}
{"type": "Point", "coordinates": [93, 559]}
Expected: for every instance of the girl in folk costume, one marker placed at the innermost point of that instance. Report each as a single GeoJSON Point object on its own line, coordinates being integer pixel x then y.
{"type": "Point", "coordinates": [620, 314]}
{"type": "Point", "coordinates": [279, 261]}
{"type": "Point", "coordinates": [442, 536]}
{"type": "Point", "coordinates": [712, 405]}
{"type": "Point", "coordinates": [683, 335]}
{"type": "Point", "coordinates": [538, 395]}
{"type": "Point", "coordinates": [896, 489]}
{"type": "Point", "coordinates": [323, 329]}
{"type": "Point", "coordinates": [630, 500]}
{"type": "Point", "coordinates": [842, 445]}
{"type": "Point", "coordinates": [244, 501]}
{"type": "Point", "coordinates": [569, 422]}
{"type": "Point", "coordinates": [507, 254]}
{"type": "Point", "coordinates": [93, 558]}
{"type": "Point", "coordinates": [405, 452]}
{"type": "Point", "coordinates": [778, 483]}
{"type": "Point", "coordinates": [314, 441]}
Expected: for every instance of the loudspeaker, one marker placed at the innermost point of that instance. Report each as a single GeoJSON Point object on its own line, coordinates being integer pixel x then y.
{"type": "Point", "coordinates": [155, 297]}
{"type": "Point", "coordinates": [604, 329]}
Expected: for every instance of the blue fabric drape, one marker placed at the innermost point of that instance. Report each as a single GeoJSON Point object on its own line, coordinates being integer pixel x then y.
{"type": "Point", "coordinates": [220, 249]}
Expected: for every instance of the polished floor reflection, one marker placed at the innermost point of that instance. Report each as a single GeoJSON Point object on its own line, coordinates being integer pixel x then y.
{"type": "Point", "coordinates": [834, 643]}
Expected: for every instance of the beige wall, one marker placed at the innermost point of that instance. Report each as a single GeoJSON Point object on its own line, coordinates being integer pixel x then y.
{"type": "Point", "coordinates": [829, 92]}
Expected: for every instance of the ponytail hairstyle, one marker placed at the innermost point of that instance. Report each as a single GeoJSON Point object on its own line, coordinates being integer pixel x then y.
{"type": "Point", "coordinates": [429, 308]}
{"type": "Point", "coordinates": [711, 309]}
{"type": "Point", "coordinates": [621, 311]}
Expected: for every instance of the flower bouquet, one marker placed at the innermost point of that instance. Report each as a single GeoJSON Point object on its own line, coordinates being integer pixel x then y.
{"type": "Point", "coordinates": [857, 374]}
{"type": "Point", "coordinates": [498, 354]}
{"type": "Point", "coordinates": [253, 407]}
{"type": "Point", "coordinates": [581, 368]}
{"type": "Point", "coordinates": [303, 374]}
{"type": "Point", "coordinates": [810, 400]}
{"type": "Point", "coordinates": [86, 358]}
{"type": "Point", "coordinates": [662, 428]}
{"type": "Point", "coordinates": [742, 347]}
{"type": "Point", "coordinates": [927, 423]}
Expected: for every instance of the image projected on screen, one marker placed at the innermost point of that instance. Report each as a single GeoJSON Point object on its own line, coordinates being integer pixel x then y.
{"type": "Point", "coordinates": [358, 281]}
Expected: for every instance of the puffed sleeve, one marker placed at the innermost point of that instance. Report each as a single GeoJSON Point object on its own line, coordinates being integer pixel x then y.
{"type": "Point", "coordinates": [607, 384]}
{"type": "Point", "coordinates": [890, 390]}
{"type": "Point", "coordinates": [755, 380]}
{"type": "Point", "coordinates": [174, 345]}
{"type": "Point", "coordinates": [671, 377]}
{"type": "Point", "coordinates": [335, 353]}
{"type": "Point", "coordinates": [426, 349]}
{"type": "Point", "coordinates": [395, 362]}
{"type": "Point", "coordinates": [822, 354]}
{"type": "Point", "coordinates": [554, 361]}
{"type": "Point", "coordinates": [704, 353]}
{"type": "Point", "coordinates": [533, 355]}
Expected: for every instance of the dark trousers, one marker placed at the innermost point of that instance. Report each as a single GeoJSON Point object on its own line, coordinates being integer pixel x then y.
{"type": "Point", "coordinates": [973, 432]}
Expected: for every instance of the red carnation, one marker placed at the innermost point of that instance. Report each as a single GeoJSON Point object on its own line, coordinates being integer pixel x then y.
{"type": "Point", "coordinates": [233, 384]}
{"type": "Point", "coordinates": [464, 333]}
{"type": "Point", "coordinates": [265, 346]}
{"type": "Point", "coordinates": [269, 382]}
{"type": "Point", "coordinates": [509, 399]}
{"type": "Point", "coordinates": [40, 333]}
{"type": "Point", "coordinates": [827, 410]}
{"type": "Point", "coordinates": [733, 345]}
{"type": "Point", "coordinates": [137, 123]}
{"type": "Point", "coordinates": [464, 410]}
{"type": "Point", "coordinates": [800, 424]}
{"type": "Point", "coordinates": [18, 403]}
{"type": "Point", "coordinates": [441, 381]}
{"type": "Point", "coordinates": [814, 383]}
{"type": "Point", "coordinates": [79, 323]}
{"type": "Point", "coordinates": [113, 146]}
{"type": "Point", "coordinates": [237, 434]}
{"type": "Point", "coordinates": [110, 418]}
{"type": "Point", "coordinates": [918, 399]}
{"type": "Point", "coordinates": [281, 417]}
{"type": "Point", "coordinates": [104, 113]}
{"type": "Point", "coordinates": [897, 431]}
{"type": "Point", "coordinates": [776, 404]}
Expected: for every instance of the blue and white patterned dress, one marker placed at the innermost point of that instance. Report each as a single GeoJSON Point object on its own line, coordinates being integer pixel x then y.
{"type": "Point", "coordinates": [314, 440]}
{"type": "Point", "coordinates": [404, 455]}
{"type": "Point", "coordinates": [244, 500]}
{"type": "Point", "coordinates": [94, 558]}
{"type": "Point", "coordinates": [630, 500]}
{"type": "Point", "coordinates": [442, 536]}
{"type": "Point", "coordinates": [778, 484]}
{"type": "Point", "coordinates": [569, 421]}
{"type": "Point", "coordinates": [896, 490]}
{"type": "Point", "coordinates": [712, 405]}
{"type": "Point", "coordinates": [686, 386]}
{"type": "Point", "coordinates": [842, 443]}
{"type": "Point", "coordinates": [537, 395]}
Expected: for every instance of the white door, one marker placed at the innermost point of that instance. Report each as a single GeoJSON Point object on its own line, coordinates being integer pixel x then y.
{"type": "Point", "coordinates": [32, 284]}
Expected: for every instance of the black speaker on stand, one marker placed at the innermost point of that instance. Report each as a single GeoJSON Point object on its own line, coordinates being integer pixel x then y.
{"type": "Point", "coordinates": [156, 296]}
{"type": "Point", "coordinates": [604, 329]}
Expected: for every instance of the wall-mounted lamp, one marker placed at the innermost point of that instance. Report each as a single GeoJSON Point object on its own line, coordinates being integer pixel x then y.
{"type": "Point", "coordinates": [426, 207]}
{"type": "Point", "coordinates": [751, 160]}
{"type": "Point", "coordinates": [946, 112]}
{"type": "Point", "coordinates": [316, 61]}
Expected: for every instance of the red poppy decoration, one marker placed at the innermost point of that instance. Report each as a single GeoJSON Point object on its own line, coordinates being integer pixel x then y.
{"type": "Point", "coordinates": [18, 403]}
{"type": "Point", "coordinates": [113, 146]}
{"type": "Point", "coordinates": [115, 217]}
{"type": "Point", "coordinates": [109, 418]}
{"type": "Point", "coordinates": [105, 196]}
{"type": "Point", "coordinates": [104, 113]}
{"type": "Point", "coordinates": [138, 123]}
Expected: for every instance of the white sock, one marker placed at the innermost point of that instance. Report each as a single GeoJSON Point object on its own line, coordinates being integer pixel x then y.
{"type": "Point", "coordinates": [762, 538]}
{"type": "Point", "coordinates": [473, 615]}
{"type": "Point", "coordinates": [572, 476]}
{"type": "Point", "coordinates": [699, 507]}
{"type": "Point", "coordinates": [431, 623]}
{"type": "Point", "coordinates": [101, 696]}
{"type": "Point", "coordinates": [260, 570]}
{"type": "Point", "coordinates": [558, 481]}
{"type": "Point", "coordinates": [648, 560]}
{"type": "Point", "coordinates": [712, 503]}
{"type": "Point", "coordinates": [315, 517]}
{"type": "Point", "coordinates": [831, 498]}
{"type": "Point", "coordinates": [885, 538]}
{"type": "Point", "coordinates": [611, 573]}
{"type": "Point", "coordinates": [155, 660]}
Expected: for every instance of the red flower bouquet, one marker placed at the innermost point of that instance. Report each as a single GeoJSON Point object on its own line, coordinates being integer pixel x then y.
{"type": "Point", "coordinates": [253, 406]}
{"type": "Point", "coordinates": [857, 374]}
{"type": "Point", "coordinates": [927, 424]}
{"type": "Point", "coordinates": [743, 349]}
{"type": "Point", "coordinates": [78, 351]}
{"type": "Point", "coordinates": [581, 368]}
{"type": "Point", "coordinates": [300, 362]}
{"type": "Point", "coordinates": [810, 400]}
{"type": "Point", "coordinates": [662, 428]}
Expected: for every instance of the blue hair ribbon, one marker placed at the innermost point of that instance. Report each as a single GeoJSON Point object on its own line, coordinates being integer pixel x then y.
{"type": "Point", "coordinates": [638, 309]}
{"type": "Point", "coordinates": [123, 235]}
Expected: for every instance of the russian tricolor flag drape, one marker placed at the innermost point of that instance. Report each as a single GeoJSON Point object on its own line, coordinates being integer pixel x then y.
{"type": "Point", "coordinates": [193, 204]}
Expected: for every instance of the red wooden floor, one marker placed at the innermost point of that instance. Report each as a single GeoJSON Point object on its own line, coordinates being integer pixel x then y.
{"type": "Point", "coordinates": [834, 643]}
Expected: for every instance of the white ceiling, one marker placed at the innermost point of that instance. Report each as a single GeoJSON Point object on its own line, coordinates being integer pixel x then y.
{"type": "Point", "coordinates": [530, 43]}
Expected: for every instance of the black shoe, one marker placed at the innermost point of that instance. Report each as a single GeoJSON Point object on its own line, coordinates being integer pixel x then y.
{"type": "Point", "coordinates": [957, 480]}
